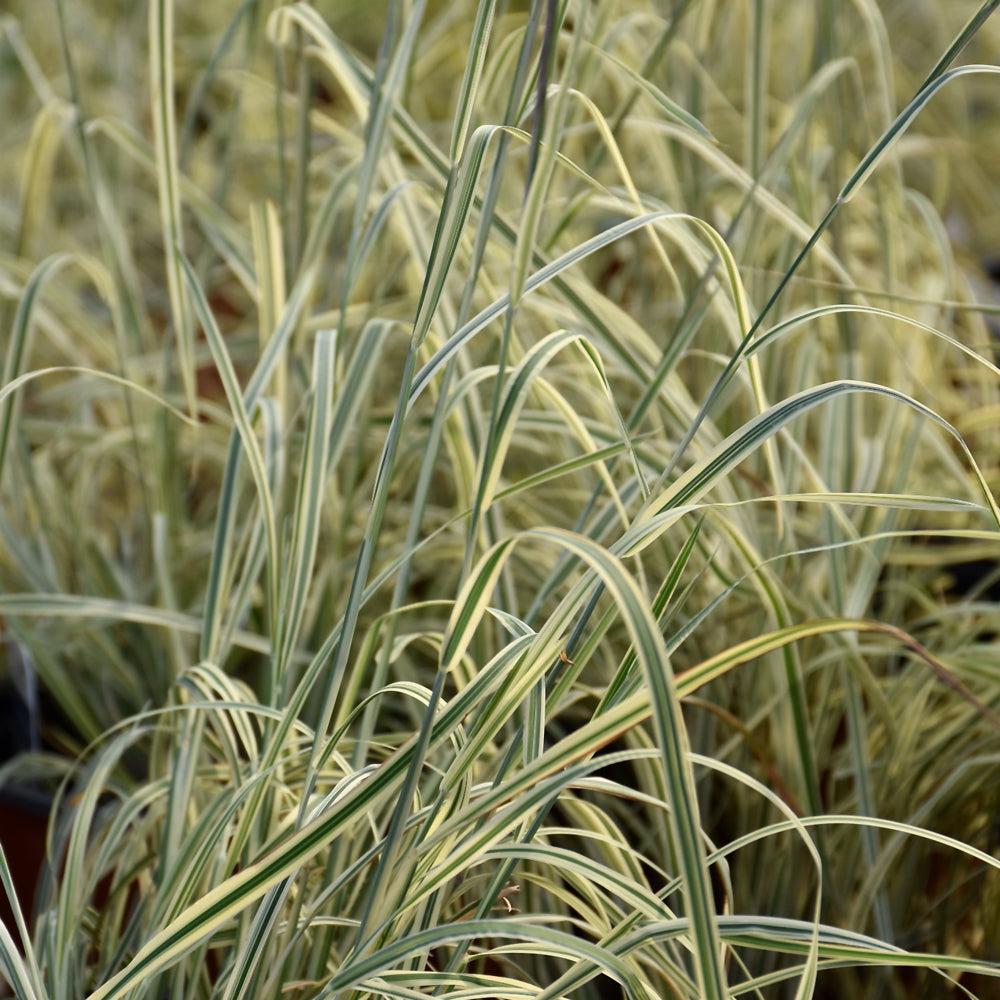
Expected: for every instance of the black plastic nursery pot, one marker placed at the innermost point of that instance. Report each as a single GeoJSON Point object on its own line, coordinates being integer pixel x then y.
{"type": "Point", "coordinates": [24, 804]}
{"type": "Point", "coordinates": [24, 817]}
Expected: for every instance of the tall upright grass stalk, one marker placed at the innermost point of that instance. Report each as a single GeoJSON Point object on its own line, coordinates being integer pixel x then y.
{"type": "Point", "coordinates": [488, 521]}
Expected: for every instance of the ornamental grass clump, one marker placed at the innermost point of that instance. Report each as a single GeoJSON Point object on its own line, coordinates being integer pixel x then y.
{"type": "Point", "coordinates": [481, 489]}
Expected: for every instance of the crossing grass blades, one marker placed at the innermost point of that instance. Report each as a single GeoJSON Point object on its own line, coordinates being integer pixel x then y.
{"type": "Point", "coordinates": [473, 479]}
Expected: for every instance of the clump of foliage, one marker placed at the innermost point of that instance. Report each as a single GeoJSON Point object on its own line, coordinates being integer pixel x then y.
{"type": "Point", "coordinates": [485, 507]}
